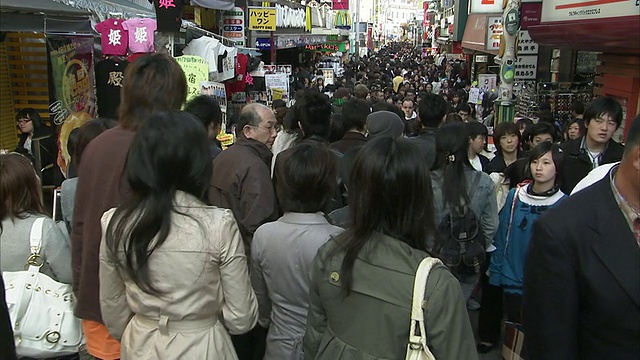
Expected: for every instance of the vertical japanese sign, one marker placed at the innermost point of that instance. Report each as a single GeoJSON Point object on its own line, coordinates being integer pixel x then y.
{"type": "Point", "coordinates": [233, 25]}
{"type": "Point", "coordinates": [72, 100]}
{"type": "Point", "coordinates": [494, 31]}
{"type": "Point", "coordinates": [262, 18]}
{"type": "Point", "coordinates": [196, 69]}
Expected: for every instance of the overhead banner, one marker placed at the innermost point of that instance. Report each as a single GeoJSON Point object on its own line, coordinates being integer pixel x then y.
{"type": "Point", "coordinates": [261, 18]}
{"type": "Point", "coordinates": [72, 100]}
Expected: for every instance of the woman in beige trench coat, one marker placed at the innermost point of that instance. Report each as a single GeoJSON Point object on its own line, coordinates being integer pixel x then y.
{"type": "Point", "coordinates": [173, 272]}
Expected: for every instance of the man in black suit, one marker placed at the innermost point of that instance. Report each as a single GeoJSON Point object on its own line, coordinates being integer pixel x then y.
{"type": "Point", "coordinates": [582, 273]}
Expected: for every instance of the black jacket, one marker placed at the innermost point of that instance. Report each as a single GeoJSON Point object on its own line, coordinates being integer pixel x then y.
{"type": "Point", "coordinates": [426, 141]}
{"type": "Point", "coordinates": [577, 163]}
{"type": "Point", "coordinates": [581, 281]}
{"type": "Point", "coordinates": [51, 174]}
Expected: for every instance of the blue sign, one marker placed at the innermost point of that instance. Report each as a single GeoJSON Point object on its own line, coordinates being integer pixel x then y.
{"type": "Point", "coordinates": [232, 28]}
{"type": "Point", "coordinates": [263, 43]}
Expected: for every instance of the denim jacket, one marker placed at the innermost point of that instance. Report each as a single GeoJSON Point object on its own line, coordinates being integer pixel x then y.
{"type": "Point", "coordinates": [483, 203]}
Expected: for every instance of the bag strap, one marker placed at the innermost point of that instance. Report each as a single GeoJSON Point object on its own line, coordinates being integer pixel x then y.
{"type": "Point", "coordinates": [513, 207]}
{"type": "Point", "coordinates": [418, 303]}
{"type": "Point", "coordinates": [35, 260]}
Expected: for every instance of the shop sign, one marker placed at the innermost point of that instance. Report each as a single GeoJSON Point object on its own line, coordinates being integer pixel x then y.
{"type": "Point", "coordinates": [563, 10]}
{"type": "Point", "coordinates": [526, 67]}
{"type": "Point", "coordinates": [530, 14]}
{"type": "Point", "coordinates": [233, 25]}
{"type": "Point", "coordinates": [263, 43]}
{"type": "Point", "coordinates": [486, 6]}
{"type": "Point", "coordinates": [323, 47]}
{"type": "Point", "coordinates": [482, 58]}
{"type": "Point", "coordinates": [196, 70]}
{"type": "Point", "coordinates": [494, 31]}
{"type": "Point", "coordinates": [487, 82]}
{"type": "Point", "coordinates": [262, 18]}
{"type": "Point", "coordinates": [291, 41]}
{"type": "Point", "coordinates": [526, 45]}
{"type": "Point", "coordinates": [290, 18]}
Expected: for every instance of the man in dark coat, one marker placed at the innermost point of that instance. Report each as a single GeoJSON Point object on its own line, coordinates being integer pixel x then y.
{"type": "Point", "coordinates": [581, 281]}
{"type": "Point", "coordinates": [602, 118]}
{"type": "Point", "coordinates": [431, 112]}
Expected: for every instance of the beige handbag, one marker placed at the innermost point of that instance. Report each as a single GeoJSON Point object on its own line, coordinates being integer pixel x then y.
{"type": "Point", "coordinates": [417, 349]}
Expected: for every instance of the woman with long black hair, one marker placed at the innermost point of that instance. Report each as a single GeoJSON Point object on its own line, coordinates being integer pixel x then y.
{"type": "Point", "coordinates": [173, 271]}
{"type": "Point", "coordinates": [361, 281]}
{"type": "Point", "coordinates": [457, 186]}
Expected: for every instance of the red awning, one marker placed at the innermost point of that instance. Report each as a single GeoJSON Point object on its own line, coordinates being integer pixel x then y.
{"type": "Point", "coordinates": [620, 34]}
{"type": "Point", "coordinates": [475, 33]}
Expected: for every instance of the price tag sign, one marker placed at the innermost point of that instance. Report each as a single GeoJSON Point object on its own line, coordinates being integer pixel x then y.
{"type": "Point", "coordinates": [262, 18]}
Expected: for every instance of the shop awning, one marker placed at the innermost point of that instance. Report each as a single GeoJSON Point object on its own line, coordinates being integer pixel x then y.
{"type": "Point", "coordinates": [475, 33]}
{"type": "Point", "coordinates": [43, 16]}
{"type": "Point", "coordinates": [618, 34]}
{"type": "Point", "coordinates": [214, 4]}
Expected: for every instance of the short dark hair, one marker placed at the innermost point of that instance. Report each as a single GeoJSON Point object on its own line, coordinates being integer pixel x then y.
{"type": "Point", "coordinates": [431, 109]}
{"type": "Point", "coordinates": [524, 123]}
{"type": "Point", "coordinates": [463, 107]}
{"type": "Point", "coordinates": [605, 105]}
{"type": "Point", "coordinates": [20, 189]}
{"type": "Point", "coordinates": [541, 149]}
{"type": "Point", "coordinates": [354, 114]}
{"type": "Point", "coordinates": [206, 109]}
{"type": "Point", "coordinates": [385, 106]}
{"type": "Point", "coordinates": [475, 128]}
{"type": "Point", "coordinates": [32, 114]}
{"type": "Point", "coordinates": [539, 129]}
{"type": "Point", "coordinates": [313, 110]}
{"type": "Point", "coordinates": [502, 129]}
{"type": "Point", "coordinates": [453, 118]}
{"type": "Point", "coordinates": [309, 178]}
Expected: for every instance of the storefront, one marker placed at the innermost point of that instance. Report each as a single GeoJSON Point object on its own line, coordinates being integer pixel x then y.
{"type": "Point", "coordinates": [481, 42]}
{"type": "Point", "coordinates": [611, 28]}
{"type": "Point", "coordinates": [27, 26]}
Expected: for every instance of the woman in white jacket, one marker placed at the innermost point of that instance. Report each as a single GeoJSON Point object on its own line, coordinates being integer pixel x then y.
{"type": "Point", "coordinates": [173, 271]}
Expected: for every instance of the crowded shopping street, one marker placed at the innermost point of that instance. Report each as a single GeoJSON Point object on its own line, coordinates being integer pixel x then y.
{"type": "Point", "coordinates": [326, 180]}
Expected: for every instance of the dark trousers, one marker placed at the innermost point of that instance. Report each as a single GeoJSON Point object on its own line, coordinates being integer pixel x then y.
{"type": "Point", "coordinates": [252, 345]}
{"type": "Point", "coordinates": [490, 317]}
{"type": "Point", "coordinates": [513, 307]}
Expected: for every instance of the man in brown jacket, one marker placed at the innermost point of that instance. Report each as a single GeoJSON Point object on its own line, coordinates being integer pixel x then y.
{"type": "Point", "coordinates": [241, 181]}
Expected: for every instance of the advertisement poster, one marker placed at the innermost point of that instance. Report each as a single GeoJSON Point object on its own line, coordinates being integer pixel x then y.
{"type": "Point", "coordinates": [72, 100]}
{"type": "Point", "coordinates": [217, 91]}
{"type": "Point", "coordinates": [196, 69]}
{"type": "Point", "coordinates": [278, 84]}
{"type": "Point", "coordinates": [494, 31]}
{"type": "Point", "coordinates": [487, 82]}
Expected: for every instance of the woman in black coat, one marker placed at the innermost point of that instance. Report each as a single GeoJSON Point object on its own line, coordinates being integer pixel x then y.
{"type": "Point", "coordinates": [33, 130]}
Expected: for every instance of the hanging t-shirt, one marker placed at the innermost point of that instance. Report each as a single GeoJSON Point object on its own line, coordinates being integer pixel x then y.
{"type": "Point", "coordinates": [141, 34]}
{"type": "Point", "coordinates": [109, 76]}
{"type": "Point", "coordinates": [113, 37]}
{"type": "Point", "coordinates": [241, 75]}
{"type": "Point", "coordinates": [207, 48]}
{"type": "Point", "coordinates": [169, 14]}
{"type": "Point", "coordinates": [226, 63]}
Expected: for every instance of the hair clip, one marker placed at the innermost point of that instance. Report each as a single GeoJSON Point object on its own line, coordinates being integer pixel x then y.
{"type": "Point", "coordinates": [450, 158]}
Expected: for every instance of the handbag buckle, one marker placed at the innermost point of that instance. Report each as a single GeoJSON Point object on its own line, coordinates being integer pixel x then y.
{"type": "Point", "coordinates": [35, 260]}
{"type": "Point", "coordinates": [52, 337]}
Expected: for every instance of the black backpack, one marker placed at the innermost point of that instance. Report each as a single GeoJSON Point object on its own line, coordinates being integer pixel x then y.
{"type": "Point", "coordinates": [462, 243]}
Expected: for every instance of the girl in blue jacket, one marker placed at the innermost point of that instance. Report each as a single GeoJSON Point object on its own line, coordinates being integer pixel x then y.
{"type": "Point", "coordinates": [524, 204]}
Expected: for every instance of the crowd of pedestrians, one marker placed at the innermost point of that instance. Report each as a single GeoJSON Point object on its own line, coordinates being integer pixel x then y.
{"type": "Point", "coordinates": [302, 239]}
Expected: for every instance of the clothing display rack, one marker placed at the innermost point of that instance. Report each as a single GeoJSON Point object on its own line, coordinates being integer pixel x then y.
{"type": "Point", "coordinates": [188, 26]}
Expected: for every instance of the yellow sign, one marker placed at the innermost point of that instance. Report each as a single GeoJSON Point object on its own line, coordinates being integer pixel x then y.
{"type": "Point", "coordinates": [262, 18]}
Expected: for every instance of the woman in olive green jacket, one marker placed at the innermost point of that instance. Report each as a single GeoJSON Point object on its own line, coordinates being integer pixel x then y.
{"type": "Point", "coordinates": [362, 281]}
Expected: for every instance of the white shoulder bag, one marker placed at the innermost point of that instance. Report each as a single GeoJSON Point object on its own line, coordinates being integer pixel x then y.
{"type": "Point", "coordinates": [417, 348]}
{"type": "Point", "coordinates": [41, 309]}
